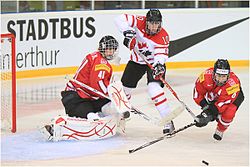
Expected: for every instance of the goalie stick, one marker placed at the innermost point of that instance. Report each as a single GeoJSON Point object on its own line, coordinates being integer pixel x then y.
{"type": "Point", "coordinates": [167, 85]}
{"type": "Point", "coordinates": [134, 110]}
{"type": "Point", "coordinates": [161, 138]}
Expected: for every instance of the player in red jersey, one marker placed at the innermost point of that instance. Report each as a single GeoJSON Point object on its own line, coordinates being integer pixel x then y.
{"type": "Point", "coordinates": [146, 35]}
{"type": "Point", "coordinates": [218, 91]}
{"type": "Point", "coordinates": [95, 71]}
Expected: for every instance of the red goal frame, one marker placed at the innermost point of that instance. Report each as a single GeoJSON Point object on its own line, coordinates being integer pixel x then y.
{"type": "Point", "coordinates": [13, 82]}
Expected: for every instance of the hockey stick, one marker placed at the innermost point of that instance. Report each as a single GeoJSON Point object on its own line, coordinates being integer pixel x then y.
{"type": "Point", "coordinates": [167, 85]}
{"type": "Point", "coordinates": [161, 138]}
{"type": "Point", "coordinates": [163, 120]}
{"type": "Point", "coordinates": [133, 109]}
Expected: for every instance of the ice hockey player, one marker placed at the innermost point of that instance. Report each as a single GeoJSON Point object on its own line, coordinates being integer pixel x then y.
{"type": "Point", "coordinates": [80, 102]}
{"type": "Point", "coordinates": [146, 35]}
{"type": "Point", "coordinates": [96, 72]}
{"type": "Point", "coordinates": [218, 91]}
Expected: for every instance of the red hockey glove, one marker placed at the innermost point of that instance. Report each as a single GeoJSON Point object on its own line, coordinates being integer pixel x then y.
{"type": "Point", "coordinates": [129, 39]}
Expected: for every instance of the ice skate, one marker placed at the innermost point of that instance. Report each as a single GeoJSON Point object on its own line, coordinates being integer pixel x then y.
{"type": "Point", "coordinates": [218, 135]}
{"type": "Point", "coordinates": [168, 128]}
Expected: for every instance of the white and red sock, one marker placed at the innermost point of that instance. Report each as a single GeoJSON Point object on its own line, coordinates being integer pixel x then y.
{"type": "Point", "coordinates": [157, 94]}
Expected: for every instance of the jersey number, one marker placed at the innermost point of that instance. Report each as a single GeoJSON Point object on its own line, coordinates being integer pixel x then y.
{"type": "Point", "coordinates": [101, 74]}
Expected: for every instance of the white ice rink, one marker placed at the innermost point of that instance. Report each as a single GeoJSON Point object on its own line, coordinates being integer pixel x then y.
{"type": "Point", "coordinates": [38, 100]}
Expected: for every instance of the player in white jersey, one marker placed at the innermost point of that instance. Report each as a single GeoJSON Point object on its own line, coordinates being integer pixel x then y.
{"type": "Point", "coordinates": [146, 35]}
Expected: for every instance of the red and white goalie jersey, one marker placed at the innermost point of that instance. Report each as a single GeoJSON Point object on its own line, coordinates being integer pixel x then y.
{"type": "Point", "coordinates": [157, 44]}
{"type": "Point", "coordinates": [95, 71]}
{"type": "Point", "coordinates": [205, 87]}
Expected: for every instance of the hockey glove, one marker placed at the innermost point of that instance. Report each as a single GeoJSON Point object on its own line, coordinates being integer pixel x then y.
{"type": "Point", "coordinates": [158, 71]}
{"type": "Point", "coordinates": [146, 53]}
{"type": "Point", "coordinates": [204, 118]}
{"type": "Point", "coordinates": [209, 105]}
{"type": "Point", "coordinates": [129, 39]}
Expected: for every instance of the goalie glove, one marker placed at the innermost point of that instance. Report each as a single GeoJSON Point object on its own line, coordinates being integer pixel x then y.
{"type": "Point", "coordinates": [158, 71]}
{"type": "Point", "coordinates": [129, 39]}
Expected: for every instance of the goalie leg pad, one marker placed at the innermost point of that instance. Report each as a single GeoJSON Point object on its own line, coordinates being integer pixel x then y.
{"type": "Point", "coordinates": [119, 99]}
{"type": "Point", "coordinates": [71, 128]}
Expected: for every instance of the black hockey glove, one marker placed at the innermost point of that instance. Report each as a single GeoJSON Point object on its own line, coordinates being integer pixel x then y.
{"type": "Point", "coordinates": [129, 39]}
{"type": "Point", "coordinates": [204, 118]}
{"type": "Point", "coordinates": [146, 53]}
{"type": "Point", "coordinates": [209, 105]}
{"type": "Point", "coordinates": [159, 70]}
{"type": "Point", "coordinates": [209, 113]}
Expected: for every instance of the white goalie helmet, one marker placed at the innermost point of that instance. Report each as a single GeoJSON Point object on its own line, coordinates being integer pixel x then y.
{"type": "Point", "coordinates": [108, 46]}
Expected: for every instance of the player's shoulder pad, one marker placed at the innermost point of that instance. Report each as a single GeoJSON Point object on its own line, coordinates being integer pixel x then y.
{"type": "Point", "coordinates": [206, 76]}
{"type": "Point", "coordinates": [140, 22]}
{"type": "Point", "coordinates": [162, 38]}
{"type": "Point", "coordinates": [140, 18]}
{"type": "Point", "coordinates": [103, 65]}
{"type": "Point", "coordinates": [93, 56]}
{"type": "Point", "coordinates": [233, 89]}
{"type": "Point", "coordinates": [233, 84]}
{"type": "Point", "coordinates": [202, 77]}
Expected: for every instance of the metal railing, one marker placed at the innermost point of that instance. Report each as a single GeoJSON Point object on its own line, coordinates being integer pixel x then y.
{"type": "Point", "coordinates": [18, 6]}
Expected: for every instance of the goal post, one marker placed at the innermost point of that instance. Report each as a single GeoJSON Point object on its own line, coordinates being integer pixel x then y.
{"type": "Point", "coordinates": [8, 82]}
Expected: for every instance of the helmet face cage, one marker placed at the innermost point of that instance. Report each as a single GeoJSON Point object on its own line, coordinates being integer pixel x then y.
{"type": "Point", "coordinates": [108, 46]}
{"type": "Point", "coordinates": [153, 17]}
{"type": "Point", "coordinates": [221, 68]}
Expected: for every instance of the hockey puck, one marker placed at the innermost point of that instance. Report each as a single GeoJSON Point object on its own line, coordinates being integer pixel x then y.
{"type": "Point", "coordinates": [126, 114]}
{"type": "Point", "coordinates": [130, 151]}
{"type": "Point", "coordinates": [205, 162]}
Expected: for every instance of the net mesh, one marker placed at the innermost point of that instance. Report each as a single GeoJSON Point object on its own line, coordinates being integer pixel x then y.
{"type": "Point", "coordinates": [6, 83]}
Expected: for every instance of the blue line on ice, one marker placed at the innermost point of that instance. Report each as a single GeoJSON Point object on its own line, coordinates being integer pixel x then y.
{"type": "Point", "coordinates": [32, 146]}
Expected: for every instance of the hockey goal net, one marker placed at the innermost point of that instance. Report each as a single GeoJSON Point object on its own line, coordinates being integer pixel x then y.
{"type": "Point", "coordinates": [8, 82]}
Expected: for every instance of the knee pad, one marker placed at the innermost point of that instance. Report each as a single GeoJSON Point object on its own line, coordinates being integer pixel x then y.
{"type": "Point", "coordinates": [229, 113]}
{"type": "Point", "coordinates": [225, 118]}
